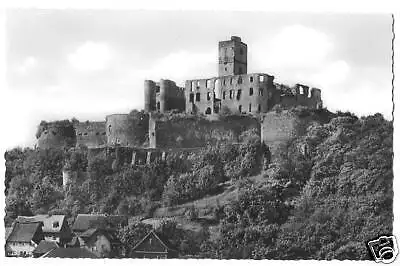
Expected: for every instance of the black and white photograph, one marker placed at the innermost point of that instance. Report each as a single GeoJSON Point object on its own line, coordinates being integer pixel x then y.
{"type": "Point", "coordinates": [198, 134]}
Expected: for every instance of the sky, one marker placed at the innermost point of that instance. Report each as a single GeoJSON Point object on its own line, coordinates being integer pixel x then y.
{"type": "Point", "coordinates": [89, 63]}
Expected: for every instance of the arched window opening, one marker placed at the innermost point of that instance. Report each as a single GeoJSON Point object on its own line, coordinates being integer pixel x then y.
{"type": "Point", "coordinates": [208, 111]}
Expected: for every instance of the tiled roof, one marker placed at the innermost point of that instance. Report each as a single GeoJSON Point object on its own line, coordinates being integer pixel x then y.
{"type": "Point", "coordinates": [88, 233]}
{"type": "Point", "coordinates": [84, 222]}
{"type": "Point", "coordinates": [110, 235]}
{"type": "Point", "coordinates": [24, 232]}
{"type": "Point", "coordinates": [75, 242]}
{"type": "Point", "coordinates": [70, 253]}
{"type": "Point", "coordinates": [8, 231]}
{"type": "Point", "coordinates": [45, 246]}
{"type": "Point", "coordinates": [164, 241]}
{"type": "Point", "coordinates": [51, 223]}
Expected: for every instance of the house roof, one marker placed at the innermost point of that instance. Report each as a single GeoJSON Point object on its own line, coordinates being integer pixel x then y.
{"type": "Point", "coordinates": [162, 240]}
{"type": "Point", "coordinates": [8, 231]}
{"type": "Point", "coordinates": [88, 233]}
{"type": "Point", "coordinates": [84, 222]}
{"type": "Point", "coordinates": [24, 232]}
{"type": "Point", "coordinates": [70, 253]}
{"type": "Point", "coordinates": [75, 242]}
{"type": "Point", "coordinates": [108, 234]}
{"type": "Point", "coordinates": [45, 246]}
{"type": "Point", "coordinates": [51, 223]}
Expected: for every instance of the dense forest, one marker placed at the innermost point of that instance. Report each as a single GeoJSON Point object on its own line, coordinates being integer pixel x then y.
{"type": "Point", "coordinates": [321, 204]}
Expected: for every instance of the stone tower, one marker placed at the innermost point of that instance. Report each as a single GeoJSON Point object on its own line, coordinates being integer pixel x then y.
{"type": "Point", "coordinates": [232, 57]}
{"type": "Point", "coordinates": [68, 175]}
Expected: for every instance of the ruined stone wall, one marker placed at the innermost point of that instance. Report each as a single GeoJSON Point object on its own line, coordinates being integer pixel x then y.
{"type": "Point", "coordinates": [170, 96]}
{"type": "Point", "coordinates": [150, 88]}
{"type": "Point", "coordinates": [298, 95]}
{"type": "Point", "coordinates": [56, 135]}
{"type": "Point", "coordinates": [91, 134]}
{"type": "Point", "coordinates": [163, 96]}
{"type": "Point", "coordinates": [194, 131]}
{"type": "Point", "coordinates": [127, 129]}
{"type": "Point", "coordinates": [251, 93]}
{"type": "Point", "coordinates": [280, 128]}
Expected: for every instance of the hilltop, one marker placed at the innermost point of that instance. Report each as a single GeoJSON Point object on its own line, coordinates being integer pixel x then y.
{"type": "Point", "coordinates": [315, 185]}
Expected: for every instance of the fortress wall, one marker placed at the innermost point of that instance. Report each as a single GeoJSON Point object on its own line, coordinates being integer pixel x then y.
{"type": "Point", "coordinates": [91, 134]}
{"type": "Point", "coordinates": [279, 129]}
{"type": "Point", "coordinates": [55, 135]}
{"type": "Point", "coordinates": [127, 129]}
{"type": "Point", "coordinates": [189, 132]}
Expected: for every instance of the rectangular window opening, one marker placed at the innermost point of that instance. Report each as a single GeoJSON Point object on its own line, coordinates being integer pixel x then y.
{"type": "Point", "coordinates": [198, 97]}
{"type": "Point", "coordinates": [239, 93]}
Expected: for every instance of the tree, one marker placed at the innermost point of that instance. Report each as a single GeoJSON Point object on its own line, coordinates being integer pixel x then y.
{"type": "Point", "coordinates": [131, 234]}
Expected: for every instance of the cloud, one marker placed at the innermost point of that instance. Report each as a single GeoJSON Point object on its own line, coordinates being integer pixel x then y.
{"type": "Point", "coordinates": [183, 64]}
{"type": "Point", "coordinates": [28, 64]}
{"type": "Point", "coordinates": [334, 73]}
{"type": "Point", "coordinates": [293, 47]}
{"type": "Point", "coordinates": [91, 56]}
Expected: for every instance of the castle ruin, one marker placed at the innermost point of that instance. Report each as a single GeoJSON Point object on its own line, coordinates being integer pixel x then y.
{"type": "Point", "coordinates": [233, 91]}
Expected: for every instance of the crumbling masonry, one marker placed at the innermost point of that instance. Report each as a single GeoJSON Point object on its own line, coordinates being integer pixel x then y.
{"type": "Point", "coordinates": [233, 91]}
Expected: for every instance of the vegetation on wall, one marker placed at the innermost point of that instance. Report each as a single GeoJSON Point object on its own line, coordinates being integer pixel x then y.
{"type": "Point", "coordinates": [331, 192]}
